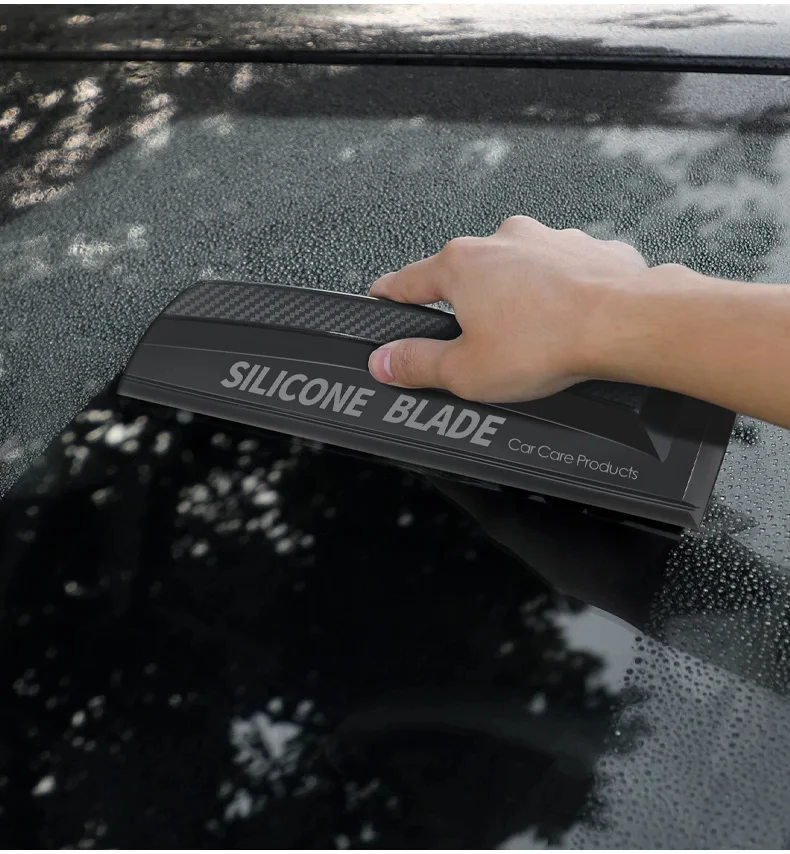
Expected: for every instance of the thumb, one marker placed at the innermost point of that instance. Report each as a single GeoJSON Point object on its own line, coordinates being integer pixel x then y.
{"type": "Point", "coordinates": [412, 362]}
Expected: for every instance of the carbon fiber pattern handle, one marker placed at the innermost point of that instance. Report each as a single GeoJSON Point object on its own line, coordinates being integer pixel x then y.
{"type": "Point", "coordinates": [377, 321]}
{"type": "Point", "coordinates": [630, 396]}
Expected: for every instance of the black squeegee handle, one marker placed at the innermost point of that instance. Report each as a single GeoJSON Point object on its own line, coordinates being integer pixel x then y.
{"type": "Point", "coordinates": [341, 329]}
{"type": "Point", "coordinates": [376, 321]}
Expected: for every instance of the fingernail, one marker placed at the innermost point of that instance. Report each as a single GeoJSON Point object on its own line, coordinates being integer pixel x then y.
{"type": "Point", "coordinates": [379, 364]}
{"type": "Point", "coordinates": [379, 287]}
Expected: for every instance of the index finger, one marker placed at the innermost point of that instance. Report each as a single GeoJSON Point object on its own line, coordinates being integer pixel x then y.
{"type": "Point", "coordinates": [419, 283]}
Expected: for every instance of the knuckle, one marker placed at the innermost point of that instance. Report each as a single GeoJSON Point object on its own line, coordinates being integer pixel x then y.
{"type": "Point", "coordinates": [626, 250]}
{"type": "Point", "coordinates": [622, 247]}
{"type": "Point", "coordinates": [404, 362]}
{"type": "Point", "coordinates": [519, 222]}
{"type": "Point", "coordinates": [459, 248]}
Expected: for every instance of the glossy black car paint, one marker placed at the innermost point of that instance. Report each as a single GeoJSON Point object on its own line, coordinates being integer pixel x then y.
{"type": "Point", "coordinates": [225, 637]}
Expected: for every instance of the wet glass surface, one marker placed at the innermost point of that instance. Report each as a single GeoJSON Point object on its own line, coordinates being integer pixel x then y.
{"type": "Point", "coordinates": [226, 636]}
{"type": "Point", "coordinates": [657, 30]}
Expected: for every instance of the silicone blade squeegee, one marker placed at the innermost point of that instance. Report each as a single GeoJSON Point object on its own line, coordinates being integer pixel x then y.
{"type": "Point", "coordinates": [294, 360]}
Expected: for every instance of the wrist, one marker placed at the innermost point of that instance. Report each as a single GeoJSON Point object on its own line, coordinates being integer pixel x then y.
{"type": "Point", "coordinates": [634, 323]}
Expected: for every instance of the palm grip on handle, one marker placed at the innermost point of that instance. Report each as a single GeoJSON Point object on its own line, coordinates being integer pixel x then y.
{"type": "Point", "coordinates": [373, 320]}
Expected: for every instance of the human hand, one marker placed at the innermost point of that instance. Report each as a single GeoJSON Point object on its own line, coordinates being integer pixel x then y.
{"type": "Point", "coordinates": [532, 305]}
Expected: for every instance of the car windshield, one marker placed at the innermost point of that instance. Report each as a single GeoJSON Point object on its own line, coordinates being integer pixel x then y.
{"type": "Point", "coordinates": [223, 636]}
